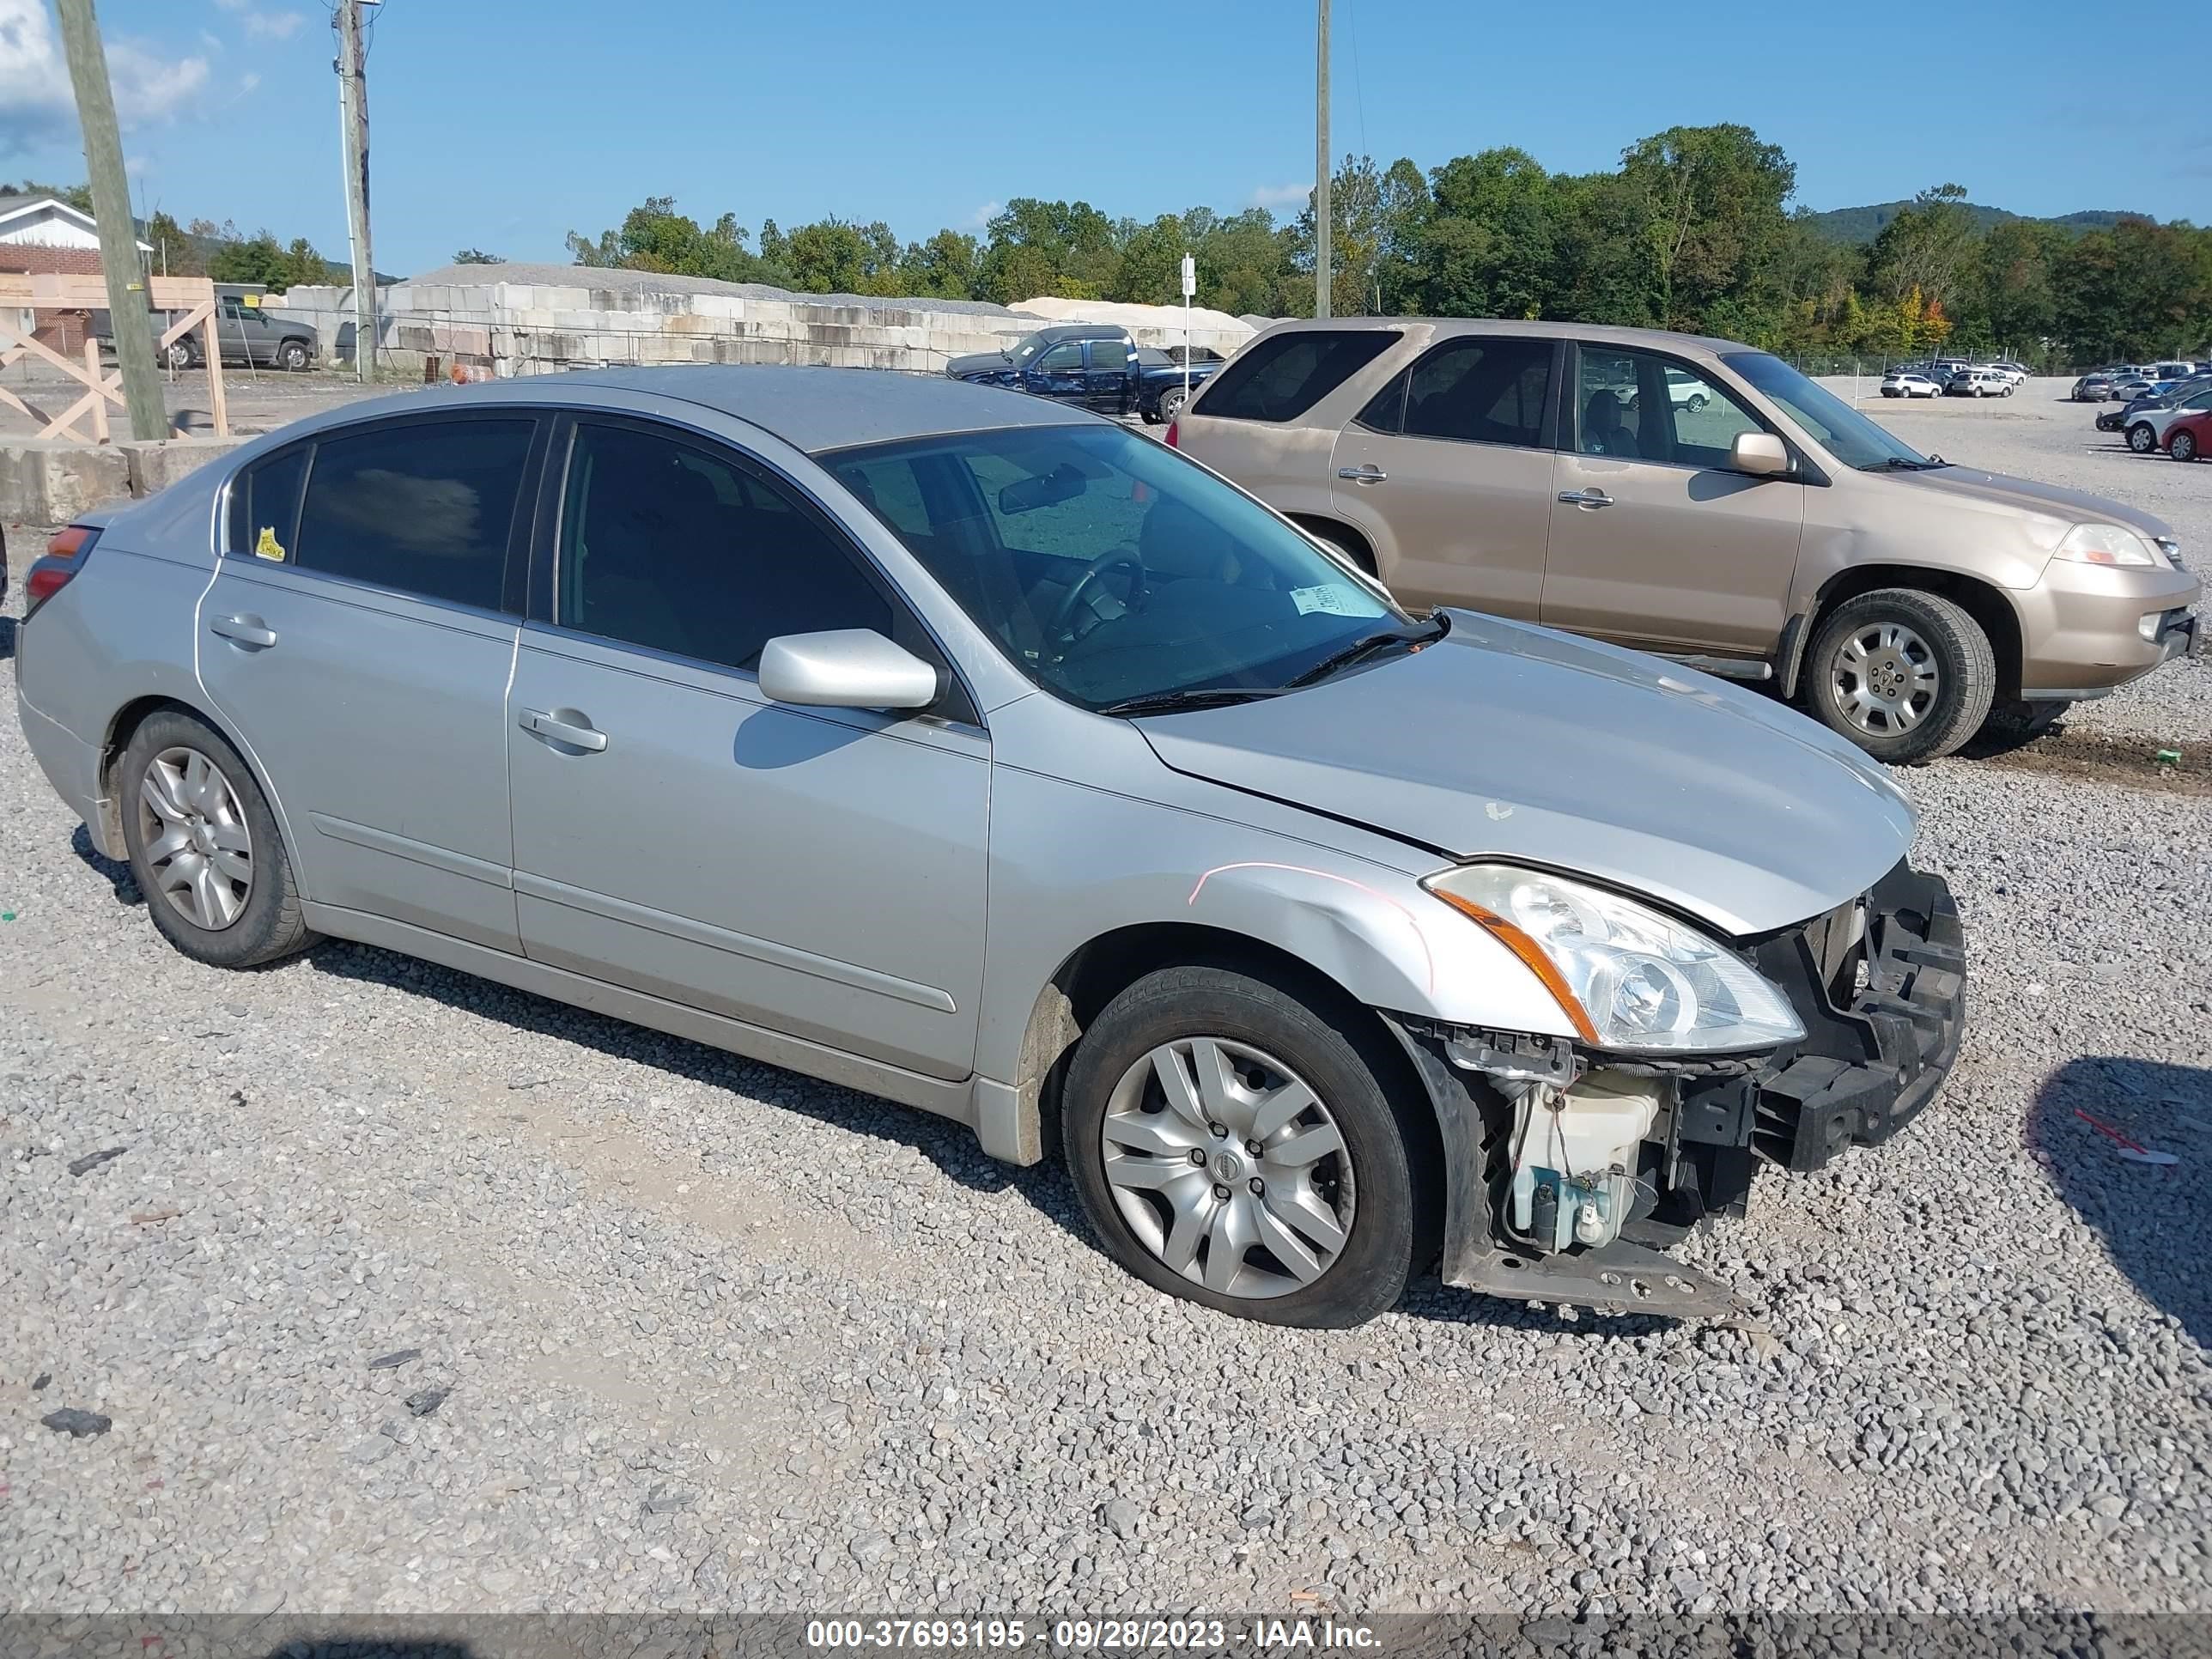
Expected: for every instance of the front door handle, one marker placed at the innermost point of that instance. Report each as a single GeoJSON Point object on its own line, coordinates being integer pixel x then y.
{"type": "Point", "coordinates": [576, 737]}
{"type": "Point", "coordinates": [246, 630]}
{"type": "Point", "coordinates": [1592, 497]}
{"type": "Point", "coordinates": [1366, 473]}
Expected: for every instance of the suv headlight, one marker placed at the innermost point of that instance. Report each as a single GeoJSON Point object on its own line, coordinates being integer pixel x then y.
{"type": "Point", "coordinates": [2109, 544]}
{"type": "Point", "coordinates": [1627, 976]}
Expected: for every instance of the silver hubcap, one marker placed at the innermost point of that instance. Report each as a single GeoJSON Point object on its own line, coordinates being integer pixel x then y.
{"type": "Point", "coordinates": [198, 848]}
{"type": "Point", "coordinates": [1228, 1167]}
{"type": "Point", "coordinates": [1886, 680]}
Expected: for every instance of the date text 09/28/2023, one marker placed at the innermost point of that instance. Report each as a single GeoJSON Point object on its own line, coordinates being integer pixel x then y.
{"type": "Point", "coordinates": [1092, 1635]}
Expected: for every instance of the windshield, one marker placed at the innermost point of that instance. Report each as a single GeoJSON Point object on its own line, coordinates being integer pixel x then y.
{"type": "Point", "coordinates": [1108, 569]}
{"type": "Point", "coordinates": [1845, 433]}
{"type": "Point", "coordinates": [1026, 348]}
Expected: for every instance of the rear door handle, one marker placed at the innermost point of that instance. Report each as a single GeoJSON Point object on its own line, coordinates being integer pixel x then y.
{"type": "Point", "coordinates": [1366, 472]}
{"type": "Point", "coordinates": [246, 630]}
{"type": "Point", "coordinates": [577, 737]}
{"type": "Point", "coordinates": [1592, 497]}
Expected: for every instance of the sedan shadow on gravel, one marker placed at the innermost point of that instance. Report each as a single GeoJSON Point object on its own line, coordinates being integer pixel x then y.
{"type": "Point", "coordinates": [1044, 1186]}
{"type": "Point", "coordinates": [2128, 1143]}
{"type": "Point", "coordinates": [115, 874]}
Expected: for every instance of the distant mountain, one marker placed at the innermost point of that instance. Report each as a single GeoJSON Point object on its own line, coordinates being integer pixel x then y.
{"type": "Point", "coordinates": [1862, 224]}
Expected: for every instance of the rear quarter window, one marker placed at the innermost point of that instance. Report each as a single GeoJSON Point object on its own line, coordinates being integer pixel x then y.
{"type": "Point", "coordinates": [1280, 379]}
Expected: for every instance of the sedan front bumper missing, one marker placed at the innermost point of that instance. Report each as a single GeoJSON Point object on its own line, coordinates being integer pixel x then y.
{"type": "Point", "coordinates": [1878, 984]}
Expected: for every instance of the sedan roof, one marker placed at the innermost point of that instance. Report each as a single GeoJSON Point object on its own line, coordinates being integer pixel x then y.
{"type": "Point", "coordinates": [810, 409]}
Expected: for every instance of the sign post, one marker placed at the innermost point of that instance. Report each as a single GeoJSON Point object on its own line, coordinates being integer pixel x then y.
{"type": "Point", "coordinates": [1189, 288]}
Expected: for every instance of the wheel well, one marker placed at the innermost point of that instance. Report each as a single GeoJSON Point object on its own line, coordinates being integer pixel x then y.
{"type": "Point", "coordinates": [120, 730]}
{"type": "Point", "coordinates": [1986, 605]}
{"type": "Point", "coordinates": [1097, 973]}
{"type": "Point", "coordinates": [1336, 530]}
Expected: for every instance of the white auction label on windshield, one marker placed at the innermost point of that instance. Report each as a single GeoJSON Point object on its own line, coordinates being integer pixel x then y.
{"type": "Point", "coordinates": [1336, 599]}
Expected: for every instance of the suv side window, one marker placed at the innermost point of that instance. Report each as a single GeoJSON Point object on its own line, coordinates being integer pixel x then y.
{"type": "Point", "coordinates": [1488, 392]}
{"type": "Point", "coordinates": [677, 548]}
{"type": "Point", "coordinates": [1280, 379]}
{"type": "Point", "coordinates": [423, 507]}
{"type": "Point", "coordinates": [1646, 407]}
{"type": "Point", "coordinates": [1060, 358]}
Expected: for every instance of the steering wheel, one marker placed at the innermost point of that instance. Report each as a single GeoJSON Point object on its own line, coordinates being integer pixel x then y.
{"type": "Point", "coordinates": [1061, 630]}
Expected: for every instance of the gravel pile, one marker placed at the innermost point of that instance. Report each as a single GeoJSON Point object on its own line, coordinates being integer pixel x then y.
{"type": "Point", "coordinates": [383, 1289]}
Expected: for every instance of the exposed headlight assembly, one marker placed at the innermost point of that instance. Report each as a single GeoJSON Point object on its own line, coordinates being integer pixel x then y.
{"type": "Point", "coordinates": [2109, 544]}
{"type": "Point", "coordinates": [1626, 975]}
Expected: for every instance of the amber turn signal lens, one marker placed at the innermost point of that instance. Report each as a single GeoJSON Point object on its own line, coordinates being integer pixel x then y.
{"type": "Point", "coordinates": [1530, 953]}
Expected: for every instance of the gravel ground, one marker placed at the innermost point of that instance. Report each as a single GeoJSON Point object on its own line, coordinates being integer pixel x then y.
{"type": "Point", "coordinates": [406, 1292]}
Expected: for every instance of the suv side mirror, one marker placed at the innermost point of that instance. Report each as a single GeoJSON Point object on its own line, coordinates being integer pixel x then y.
{"type": "Point", "coordinates": [1760, 454]}
{"type": "Point", "coordinates": [845, 668]}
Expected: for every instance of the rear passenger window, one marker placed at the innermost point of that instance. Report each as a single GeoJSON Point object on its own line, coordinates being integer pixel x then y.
{"type": "Point", "coordinates": [669, 547]}
{"type": "Point", "coordinates": [426, 508]}
{"type": "Point", "coordinates": [265, 506]}
{"type": "Point", "coordinates": [1280, 379]}
{"type": "Point", "coordinates": [1488, 392]}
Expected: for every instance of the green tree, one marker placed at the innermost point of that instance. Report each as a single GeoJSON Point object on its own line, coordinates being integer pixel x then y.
{"type": "Point", "coordinates": [1933, 245]}
{"type": "Point", "coordinates": [653, 236]}
{"type": "Point", "coordinates": [77, 196]}
{"type": "Point", "coordinates": [176, 253]}
{"type": "Point", "coordinates": [1490, 244]}
{"type": "Point", "coordinates": [945, 267]}
{"type": "Point", "coordinates": [1040, 247]}
{"type": "Point", "coordinates": [1712, 225]}
{"type": "Point", "coordinates": [477, 256]}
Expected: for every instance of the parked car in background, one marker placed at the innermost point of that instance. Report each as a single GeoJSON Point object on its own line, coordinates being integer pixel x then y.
{"type": "Point", "coordinates": [2172, 368]}
{"type": "Point", "coordinates": [1777, 535]}
{"type": "Point", "coordinates": [2163, 396]}
{"type": "Point", "coordinates": [247, 335]}
{"type": "Point", "coordinates": [1903, 383]}
{"type": "Point", "coordinates": [2148, 427]}
{"type": "Point", "coordinates": [1092, 366]}
{"type": "Point", "coordinates": [1974, 382]}
{"type": "Point", "coordinates": [994, 758]}
{"type": "Point", "coordinates": [2189, 437]}
{"type": "Point", "coordinates": [2093, 387]}
{"type": "Point", "coordinates": [2019, 372]}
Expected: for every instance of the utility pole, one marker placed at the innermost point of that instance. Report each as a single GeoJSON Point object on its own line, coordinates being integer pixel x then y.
{"type": "Point", "coordinates": [353, 113]}
{"type": "Point", "coordinates": [127, 312]}
{"type": "Point", "coordinates": [1321, 168]}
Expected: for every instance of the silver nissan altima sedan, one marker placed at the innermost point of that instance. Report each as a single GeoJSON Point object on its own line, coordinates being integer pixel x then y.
{"type": "Point", "coordinates": [955, 747]}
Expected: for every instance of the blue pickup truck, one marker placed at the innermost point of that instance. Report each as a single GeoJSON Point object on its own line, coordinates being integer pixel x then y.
{"type": "Point", "coordinates": [1091, 365]}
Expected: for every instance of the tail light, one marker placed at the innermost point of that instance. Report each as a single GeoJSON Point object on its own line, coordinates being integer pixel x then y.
{"type": "Point", "coordinates": [1172, 425]}
{"type": "Point", "coordinates": [65, 556]}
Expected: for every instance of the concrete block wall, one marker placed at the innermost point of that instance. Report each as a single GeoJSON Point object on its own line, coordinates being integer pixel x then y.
{"type": "Point", "coordinates": [526, 328]}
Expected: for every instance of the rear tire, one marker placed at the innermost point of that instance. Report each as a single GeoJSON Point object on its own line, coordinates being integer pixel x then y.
{"type": "Point", "coordinates": [222, 892]}
{"type": "Point", "coordinates": [179, 354]}
{"type": "Point", "coordinates": [2142, 439]}
{"type": "Point", "coordinates": [1171, 403]}
{"type": "Point", "coordinates": [1160, 1187]}
{"type": "Point", "coordinates": [1907, 676]}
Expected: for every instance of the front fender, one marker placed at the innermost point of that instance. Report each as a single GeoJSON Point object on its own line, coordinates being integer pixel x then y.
{"type": "Point", "coordinates": [1072, 863]}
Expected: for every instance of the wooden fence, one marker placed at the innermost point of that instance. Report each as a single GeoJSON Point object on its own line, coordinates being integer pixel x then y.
{"type": "Point", "coordinates": [193, 300]}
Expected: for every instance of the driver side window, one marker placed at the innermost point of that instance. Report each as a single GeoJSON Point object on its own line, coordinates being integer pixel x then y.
{"type": "Point", "coordinates": [1640, 406]}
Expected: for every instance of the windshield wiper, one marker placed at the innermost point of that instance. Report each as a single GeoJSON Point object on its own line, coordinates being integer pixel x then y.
{"type": "Point", "coordinates": [1901, 463]}
{"type": "Point", "coordinates": [1361, 647]}
{"type": "Point", "coordinates": [1205, 696]}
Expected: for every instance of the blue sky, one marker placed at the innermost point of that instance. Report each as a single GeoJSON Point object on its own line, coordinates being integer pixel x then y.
{"type": "Point", "coordinates": [504, 125]}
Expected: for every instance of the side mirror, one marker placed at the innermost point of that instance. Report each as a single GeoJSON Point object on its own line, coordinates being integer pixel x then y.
{"type": "Point", "coordinates": [1759, 453]}
{"type": "Point", "coordinates": [845, 668]}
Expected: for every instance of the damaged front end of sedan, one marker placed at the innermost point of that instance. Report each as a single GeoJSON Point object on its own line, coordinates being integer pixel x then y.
{"type": "Point", "coordinates": [1574, 1164]}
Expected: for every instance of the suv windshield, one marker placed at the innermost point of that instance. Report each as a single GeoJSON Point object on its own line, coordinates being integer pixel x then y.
{"type": "Point", "coordinates": [1110, 570]}
{"type": "Point", "coordinates": [1844, 433]}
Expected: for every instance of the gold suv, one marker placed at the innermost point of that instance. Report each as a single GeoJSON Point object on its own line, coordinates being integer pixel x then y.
{"type": "Point", "coordinates": [1704, 501]}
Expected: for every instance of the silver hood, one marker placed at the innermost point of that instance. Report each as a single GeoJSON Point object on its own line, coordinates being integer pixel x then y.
{"type": "Point", "coordinates": [1511, 742]}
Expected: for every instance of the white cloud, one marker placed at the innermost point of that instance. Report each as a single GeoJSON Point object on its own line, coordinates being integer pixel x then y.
{"type": "Point", "coordinates": [983, 215]}
{"type": "Point", "coordinates": [1281, 196]}
{"type": "Point", "coordinates": [151, 85]}
{"type": "Point", "coordinates": [261, 25]}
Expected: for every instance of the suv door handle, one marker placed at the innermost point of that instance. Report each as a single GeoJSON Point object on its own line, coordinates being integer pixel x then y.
{"type": "Point", "coordinates": [578, 737]}
{"type": "Point", "coordinates": [246, 630]}
{"type": "Point", "coordinates": [1366, 472]}
{"type": "Point", "coordinates": [1592, 497]}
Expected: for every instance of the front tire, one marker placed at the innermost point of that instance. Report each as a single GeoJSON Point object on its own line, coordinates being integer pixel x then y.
{"type": "Point", "coordinates": [1171, 403]}
{"type": "Point", "coordinates": [179, 356]}
{"type": "Point", "coordinates": [1907, 676]}
{"type": "Point", "coordinates": [292, 357]}
{"type": "Point", "coordinates": [204, 848]}
{"type": "Point", "coordinates": [1234, 1147]}
{"type": "Point", "coordinates": [2182, 445]}
{"type": "Point", "coordinates": [2142, 439]}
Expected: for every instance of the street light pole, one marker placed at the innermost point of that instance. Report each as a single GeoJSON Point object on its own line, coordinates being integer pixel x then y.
{"type": "Point", "coordinates": [130, 317]}
{"type": "Point", "coordinates": [1320, 167]}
